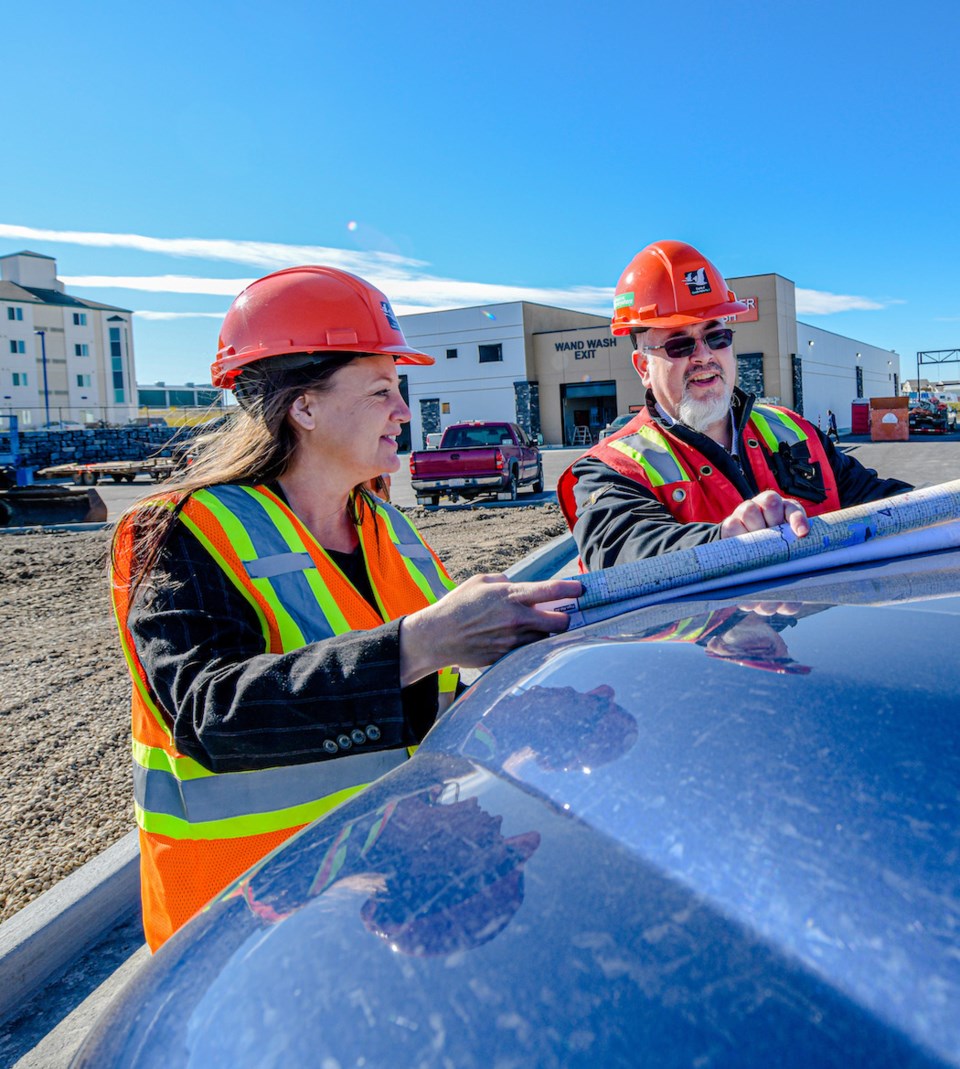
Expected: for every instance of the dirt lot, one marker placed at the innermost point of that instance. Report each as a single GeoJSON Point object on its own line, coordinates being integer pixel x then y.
{"type": "Point", "coordinates": [66, 792]}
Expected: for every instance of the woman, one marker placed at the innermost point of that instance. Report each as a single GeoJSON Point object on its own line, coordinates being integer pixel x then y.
{"type": "Point", "coordinates": [275, 615]}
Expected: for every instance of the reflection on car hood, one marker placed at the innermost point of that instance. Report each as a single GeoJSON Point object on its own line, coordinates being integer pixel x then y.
{"type": "Point", "coordinates": [710, 832]}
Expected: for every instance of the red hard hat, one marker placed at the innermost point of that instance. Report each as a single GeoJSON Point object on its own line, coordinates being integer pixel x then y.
{"type": "Point", "coordinates": [308, 309]}
{"type": "Point", "coordinates": [669, 284]}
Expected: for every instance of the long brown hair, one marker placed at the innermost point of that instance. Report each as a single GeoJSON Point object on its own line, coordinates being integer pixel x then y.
{"type": "Point", "coordinates": [256, 445]}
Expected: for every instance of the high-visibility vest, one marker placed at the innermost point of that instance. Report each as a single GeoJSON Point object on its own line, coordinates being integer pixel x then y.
{"type": "Point", "coordinates": [686, 483]}
{"type": "Point", "coordinates": [200, 830]}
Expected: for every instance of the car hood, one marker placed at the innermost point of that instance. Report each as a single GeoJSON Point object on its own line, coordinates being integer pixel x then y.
{"type": "Point", "coordinates": [717, 832]}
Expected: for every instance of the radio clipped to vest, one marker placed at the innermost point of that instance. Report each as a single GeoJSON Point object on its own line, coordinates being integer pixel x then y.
{"type": "Point", "coordinates": [797, 474]}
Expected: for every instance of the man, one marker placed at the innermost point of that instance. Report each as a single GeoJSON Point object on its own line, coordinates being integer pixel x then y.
{"type": "Point", "coordinates": [702, 461]}
{"type": "Point", "coordinates": [832, 431]}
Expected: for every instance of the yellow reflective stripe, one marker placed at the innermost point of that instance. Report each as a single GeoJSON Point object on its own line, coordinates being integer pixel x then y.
{"type": "Point", "coordinates": [214, 505]}
{"type": "Point", "coordinates": [138, 683]}
{"type": "Point", "coordinates": [761, 416]}
{"type": "Point", "coordinates": [181, 766]}
{"type": "Point", "coordinates": [688, 628]}
{"type": "Point", "coordinates": [448, 679]}
{"type": "Point", "coordinates": [662, 445]}
{"type": "Point", "coordinates": [290, 535]}
{"type": "Point", "coordinates": [241, 827]}
{"type": "Point", "coordinates": [415, 574]}
{"type": "Point", "coordinates": [765, 433]}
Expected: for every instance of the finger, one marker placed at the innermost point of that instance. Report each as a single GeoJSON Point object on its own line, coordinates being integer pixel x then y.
{"type": "Point", "coordinates": [547, 590]}
{"type": "Point", "coordinates": [797, 519]}
{"type": "Point", "coordinates": [752, 516]}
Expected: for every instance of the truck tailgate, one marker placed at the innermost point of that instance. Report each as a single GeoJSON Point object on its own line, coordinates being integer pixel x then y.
{"type": "Point", "coordinates": [455, 463]}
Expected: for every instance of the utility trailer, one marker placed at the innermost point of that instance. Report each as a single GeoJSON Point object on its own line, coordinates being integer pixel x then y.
{"type": "Point", "coordinates": [158, 468]}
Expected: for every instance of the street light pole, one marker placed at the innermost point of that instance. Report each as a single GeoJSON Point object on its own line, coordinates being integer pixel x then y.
{"type": "Point", "coordinates": [43, 360]}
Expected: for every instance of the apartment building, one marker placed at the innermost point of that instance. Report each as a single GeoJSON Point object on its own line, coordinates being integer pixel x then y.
{"type": "Point", "coordinates": [62, 359]}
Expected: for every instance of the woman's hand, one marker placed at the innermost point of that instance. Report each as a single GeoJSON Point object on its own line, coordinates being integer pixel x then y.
{"type": "Point", "coordinates": [479, 621]}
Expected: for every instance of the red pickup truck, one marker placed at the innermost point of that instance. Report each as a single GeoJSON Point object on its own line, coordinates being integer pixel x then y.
{"type": "Point", "coordinates": [476, 458]}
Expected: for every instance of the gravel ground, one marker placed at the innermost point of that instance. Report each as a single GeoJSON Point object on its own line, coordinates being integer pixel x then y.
{"type": "Point", "coordinates": [64, 691]}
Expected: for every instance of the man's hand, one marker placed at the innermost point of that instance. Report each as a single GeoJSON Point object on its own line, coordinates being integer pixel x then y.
{"type": "Point", "coordinates": [765, 510]}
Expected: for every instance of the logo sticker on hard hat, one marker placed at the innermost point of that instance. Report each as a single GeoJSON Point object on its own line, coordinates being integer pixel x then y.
{"type": "Point", "coordinates": [623, 300]}
{"type": "Point", "coordinates": [696, 281]}
{"type": "Point", "coordinates": [388, 312]}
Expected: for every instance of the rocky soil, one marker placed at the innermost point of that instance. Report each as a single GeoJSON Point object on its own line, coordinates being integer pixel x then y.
{"type": "Point", "coordinates": [65, 792]}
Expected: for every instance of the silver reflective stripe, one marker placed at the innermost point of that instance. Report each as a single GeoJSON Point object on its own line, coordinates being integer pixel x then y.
{"type": "Point", "coordinates": [409, 545]}
{"type": "Point", "coordinates": [778, 428]}
{"type": "Point", "coordinates": [291, 586]}
{"type": "Point", "coordinates": [278, 564]}
{"type": "Point", "coordinates": [239, 794]}
{"type": "Point", "coordinates": [657, 456]}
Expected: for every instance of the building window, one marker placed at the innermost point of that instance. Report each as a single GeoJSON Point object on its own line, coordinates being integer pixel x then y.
{"type": "Point", "coordinates": [19, 378]}
{"type": "Point", "coordinates": [116, 364]}
{"type": "Point", "coordinates": [84, 380]}
{"type": "Point", "coordinates": [17, 346]}
{"type": "Point", "coordinates": [491, 354]}
{"type": "Point", "coordinates": [451, 354]}
{"type": "Point", "coordinates": [81, 349]}
{"type": "Point", "coordinates": [79, 319]}
{"type": "Point", "coordinates": [15, 313]}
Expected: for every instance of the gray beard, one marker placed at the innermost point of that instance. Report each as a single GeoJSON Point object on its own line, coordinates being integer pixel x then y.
{"type": "Point", "coordinates": [701, 415]}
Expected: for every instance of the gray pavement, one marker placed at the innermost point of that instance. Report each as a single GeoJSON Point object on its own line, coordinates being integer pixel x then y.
{"type": "Point", "coordinates": [922, 461]}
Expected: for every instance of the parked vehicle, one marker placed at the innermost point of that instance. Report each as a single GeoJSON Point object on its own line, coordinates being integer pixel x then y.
{"type": "Point", "coordinates": [615, 425]}
{"type": "Point", "coordinates": [927, 414]}
{"type": "Point", "coordinates": [712, 831]}
{"type": "Point", "coordinates": [475, 458]}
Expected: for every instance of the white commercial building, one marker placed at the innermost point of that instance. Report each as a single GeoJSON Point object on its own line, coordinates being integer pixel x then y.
{"type": "Point", "coordinates": [62, 359]}
{"type": "Point", "coordinates": [562, 374]}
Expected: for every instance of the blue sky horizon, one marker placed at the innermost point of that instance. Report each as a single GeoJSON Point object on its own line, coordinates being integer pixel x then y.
{"type": "Point", "coordinates": [472, 156]}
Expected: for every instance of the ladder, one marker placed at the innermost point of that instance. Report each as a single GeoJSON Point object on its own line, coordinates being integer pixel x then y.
{"type": "Point", "coordinates": [582, 436]}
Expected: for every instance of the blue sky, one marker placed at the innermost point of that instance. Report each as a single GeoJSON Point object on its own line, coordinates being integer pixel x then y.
{"type": "Point", "coordinates": [460, 154]}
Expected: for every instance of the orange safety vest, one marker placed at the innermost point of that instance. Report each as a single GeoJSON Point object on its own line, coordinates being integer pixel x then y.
{"type": "Point", "coordinates": [200, 830]}
{"type": "Point", "coordinates": [682, 479]}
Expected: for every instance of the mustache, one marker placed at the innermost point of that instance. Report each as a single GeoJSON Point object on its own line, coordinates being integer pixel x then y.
{"type": "Point", "coordinates": [713, 369]}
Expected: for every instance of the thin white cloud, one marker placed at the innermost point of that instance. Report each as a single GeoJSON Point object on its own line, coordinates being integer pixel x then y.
{"type": "Point", "coordinates": [268, 254]}
{"type": "Point", "coordinates": [145, 314]}
{"type": "Point", "coordinates": [407, 294]}
{"type": "Point", "coordinates": [402, 278]}
{"type": "Point", "coordinates": [816, 302]}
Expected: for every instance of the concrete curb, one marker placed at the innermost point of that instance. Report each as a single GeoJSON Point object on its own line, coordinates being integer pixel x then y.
{"type": "Point", "coordinates": [54, 930]}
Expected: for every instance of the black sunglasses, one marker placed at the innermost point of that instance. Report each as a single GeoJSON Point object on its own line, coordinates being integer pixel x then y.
{"type": "Point", "coordinates": [677, 348]}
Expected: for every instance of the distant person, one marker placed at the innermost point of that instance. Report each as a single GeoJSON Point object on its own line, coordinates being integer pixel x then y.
{"type": "Point", "coordinates": [832, 431]}
{"type": "Point", "coordinates": [289, 633]}
{"type": "Point", "coordinates": [703, 460]}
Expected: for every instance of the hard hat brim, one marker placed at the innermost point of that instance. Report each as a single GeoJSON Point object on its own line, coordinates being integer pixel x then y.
{"type": "Point", "coordinates": [677, 319]}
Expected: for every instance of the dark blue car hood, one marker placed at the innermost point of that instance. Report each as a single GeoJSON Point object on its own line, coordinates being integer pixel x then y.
{"type": "Point", "coordinates": [697, 834]}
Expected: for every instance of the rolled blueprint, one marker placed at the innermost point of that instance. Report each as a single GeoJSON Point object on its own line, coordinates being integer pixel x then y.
{"type": "Point", "coordinates": [835, 538]}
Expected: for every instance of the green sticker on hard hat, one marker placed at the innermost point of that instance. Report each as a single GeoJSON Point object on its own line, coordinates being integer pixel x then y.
{"type": "Point", "coordinates": [623, 300]}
